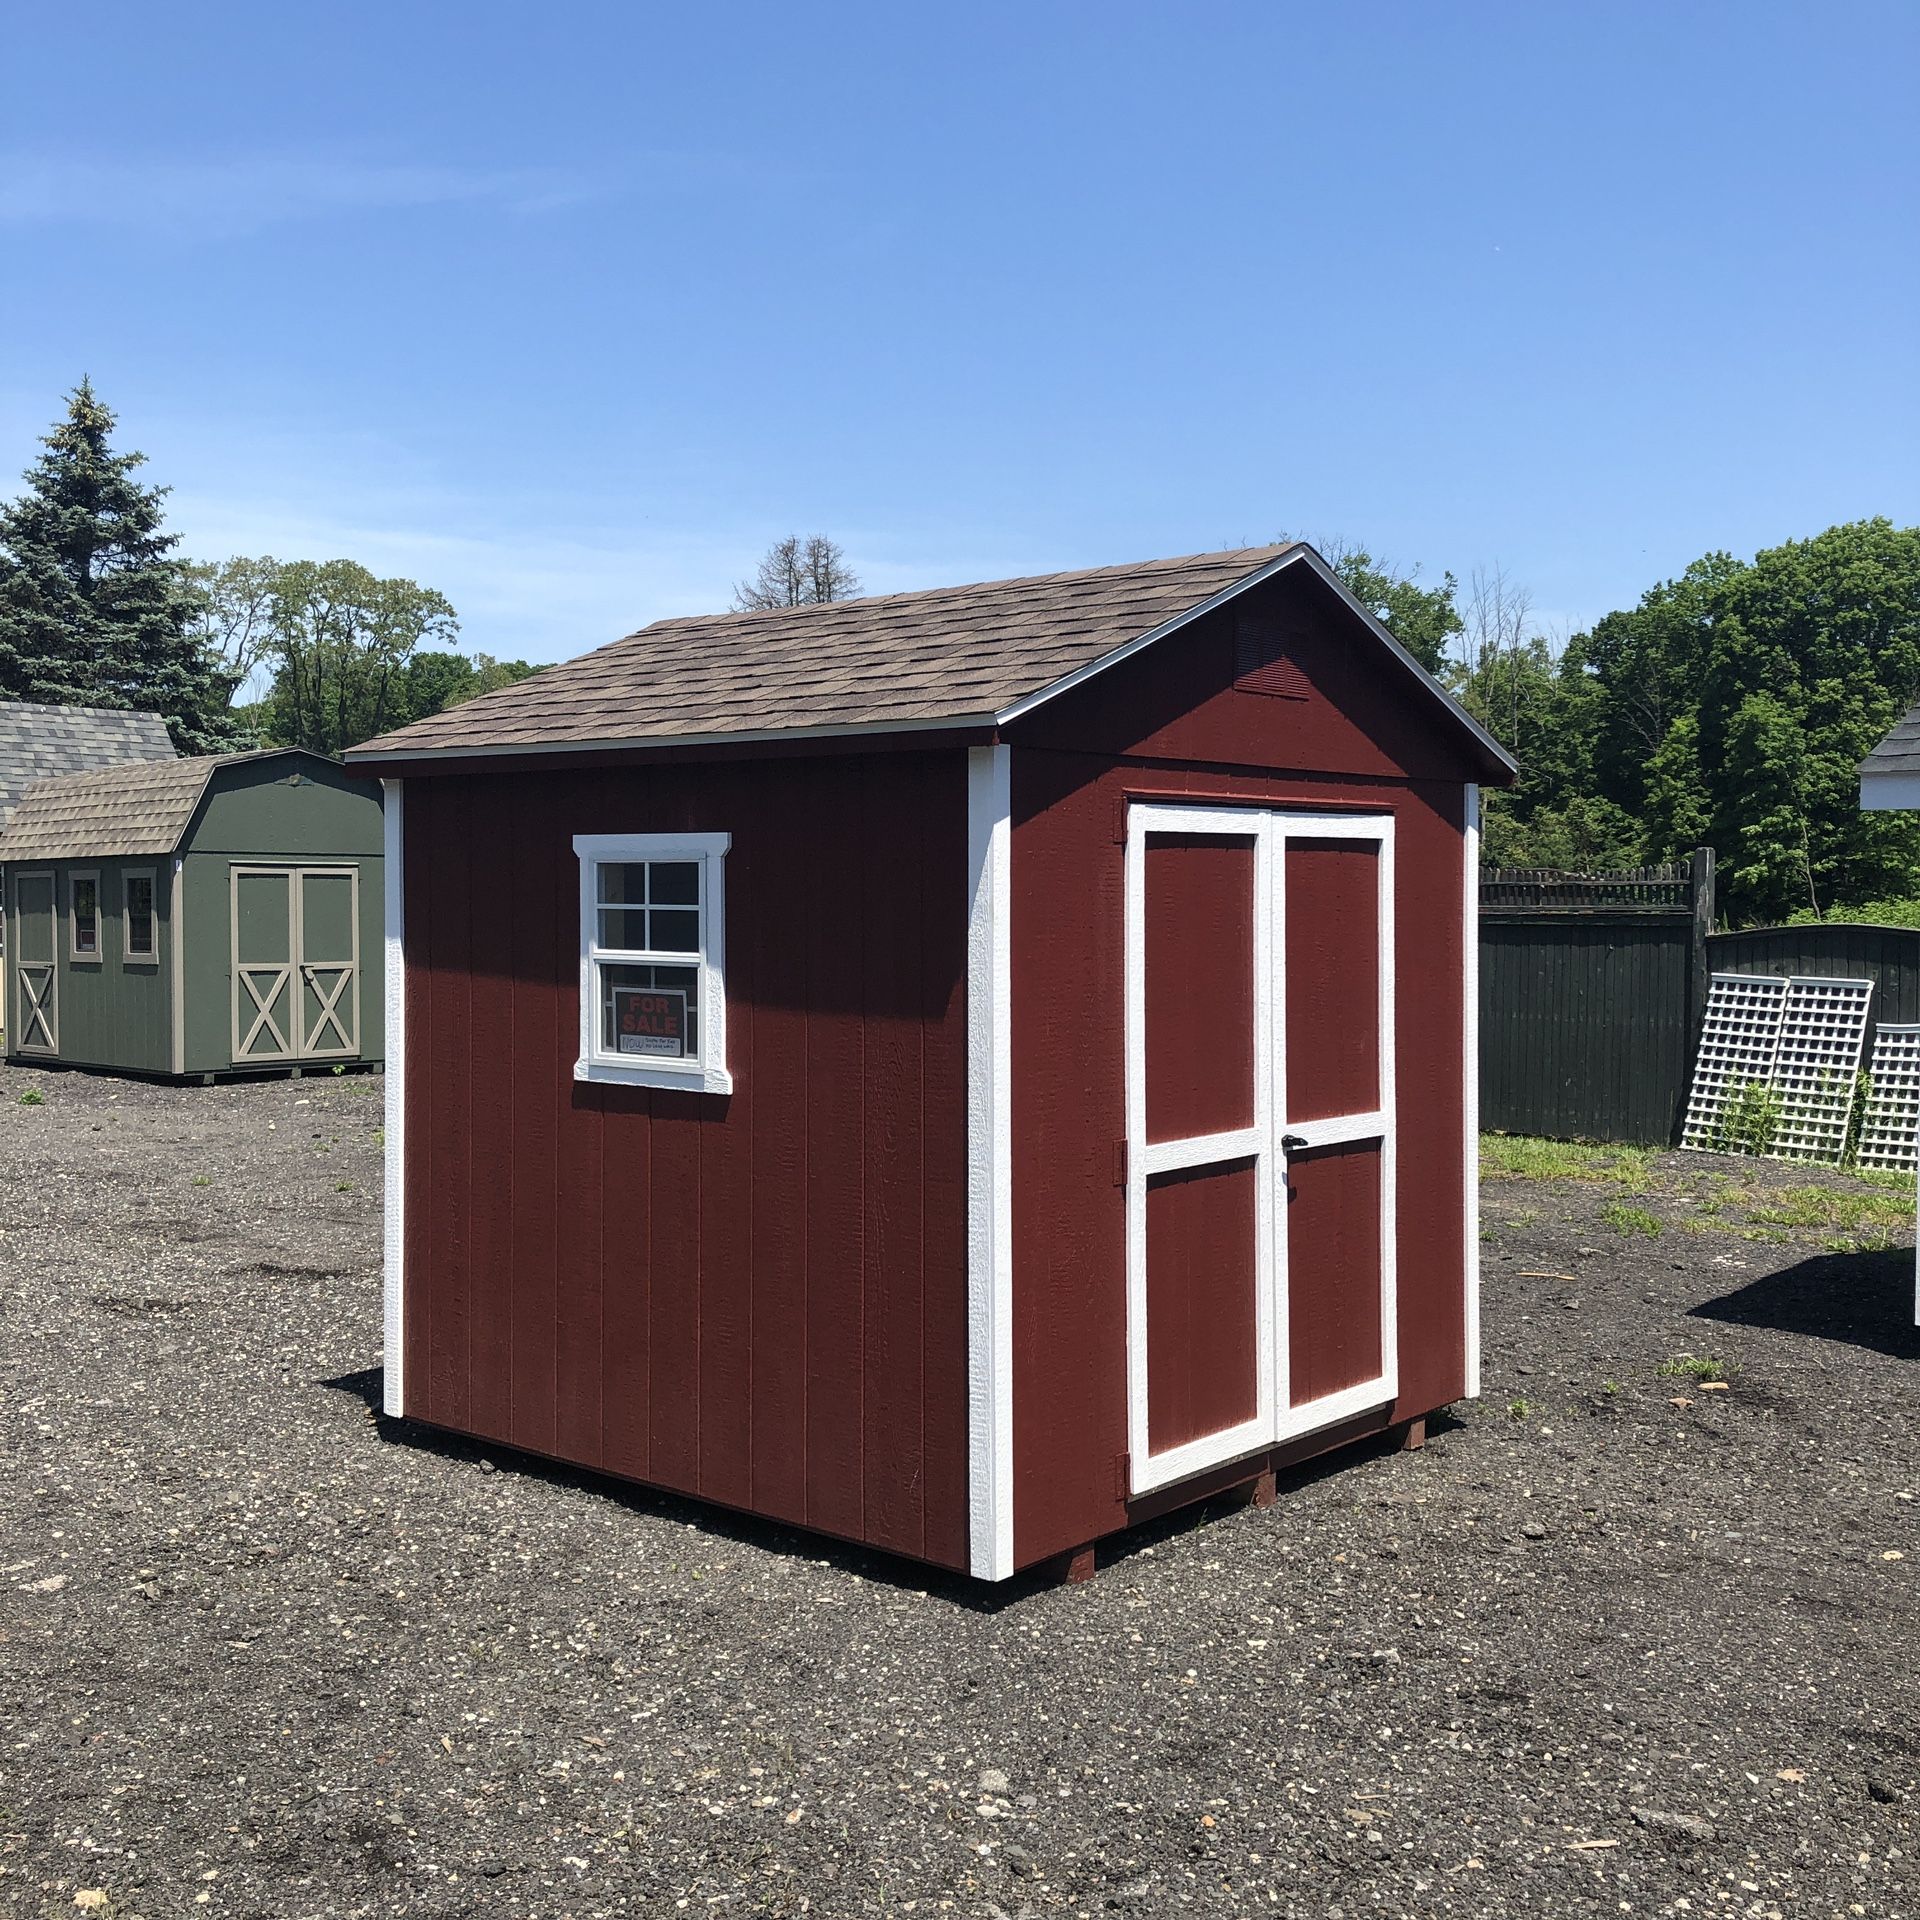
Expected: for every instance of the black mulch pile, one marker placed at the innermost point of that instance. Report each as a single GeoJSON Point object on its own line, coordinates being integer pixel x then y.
{"type": "Point", "coordinates": [1617, 1641]}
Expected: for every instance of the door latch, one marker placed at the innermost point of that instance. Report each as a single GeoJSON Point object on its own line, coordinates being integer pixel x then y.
{"type": "Point", "coordinates": [1293, 1142]}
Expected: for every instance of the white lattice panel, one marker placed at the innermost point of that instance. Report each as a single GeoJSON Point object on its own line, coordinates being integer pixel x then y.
{"type": "Point", "coordinates": [1823, 1027]}
{"type": "Point", "coordinates": [1890, 1132]}
{"type": "Point", "coordinates": [1739, 1038]}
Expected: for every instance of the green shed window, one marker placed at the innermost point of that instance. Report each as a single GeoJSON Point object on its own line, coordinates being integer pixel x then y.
{"type": "Point", "coordinates": [83, 899]}
{"type": "Point", "coordinates": [141, 941]}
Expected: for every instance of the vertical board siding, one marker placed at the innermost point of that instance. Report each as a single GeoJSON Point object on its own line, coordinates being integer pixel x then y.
{"type": "Point", "coordinates": [1199, 987]}
{"type": "Point", "coordinates": [1587, 1024]}
{"type": "Point", "coordinates": [1333, 1269]}
{"type": "Point", "coordinates": [757, 1298]}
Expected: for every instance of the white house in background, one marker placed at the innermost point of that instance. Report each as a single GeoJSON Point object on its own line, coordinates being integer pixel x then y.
{"type": "Point", "coordinates": [1890, 779]}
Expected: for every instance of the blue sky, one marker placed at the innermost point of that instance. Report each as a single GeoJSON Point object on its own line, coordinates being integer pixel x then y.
{"type": "Point", "coordinates": [570, 310]}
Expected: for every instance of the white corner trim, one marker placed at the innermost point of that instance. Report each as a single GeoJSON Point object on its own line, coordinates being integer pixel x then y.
{"type": "Point", "coordinates": [1470, 1074]}
{"type": "Point", "coordinates": [394, 992]}
{"type": "Point", "coordinates": [708, 1074]}
{"type": "Point", "coordinates": [989, 1165]}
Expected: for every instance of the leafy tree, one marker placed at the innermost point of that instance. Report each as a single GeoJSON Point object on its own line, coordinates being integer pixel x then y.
{"type": "Point", "coordinates": [341, 645]}
{"type": "Point", "coordinates": [1423, 619]}
{"type": "Point", "coordinates": [435, 681]}
{"type": "Point", "coordinates": [95, 608]}
{"type": "Point", "coordinates": [1739, 701]}
{"type": "Point", "coordinates": [233, 613]}
{"type": "Point", "coordinates": [797, 572]}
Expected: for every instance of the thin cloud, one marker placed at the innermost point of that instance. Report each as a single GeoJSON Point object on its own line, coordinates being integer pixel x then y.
{"type": "Point", "coordinates": [249, 192]}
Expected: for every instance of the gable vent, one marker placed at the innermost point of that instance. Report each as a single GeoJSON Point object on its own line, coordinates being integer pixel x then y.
{"type": "Point", "coordinates": [1261, 663]}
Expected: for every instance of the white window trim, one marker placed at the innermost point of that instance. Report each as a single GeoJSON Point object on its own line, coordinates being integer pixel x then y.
{"type": "Point", "coordinates": [150, 956]}
{"type": "Point", "coordinates": [708, 1073]}
{"type": "Point", "coordinates": [98, 955]}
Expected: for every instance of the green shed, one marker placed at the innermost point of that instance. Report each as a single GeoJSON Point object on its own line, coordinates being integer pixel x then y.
{"type": "Point", "coordinates": [196, 917]}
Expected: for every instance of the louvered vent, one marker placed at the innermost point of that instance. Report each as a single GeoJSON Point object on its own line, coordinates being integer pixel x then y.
{"type": "Point", "coordinates": [1261, 662]}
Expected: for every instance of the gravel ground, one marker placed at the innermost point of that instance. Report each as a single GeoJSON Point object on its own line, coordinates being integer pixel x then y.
{"type": "Point", "coordinates": [1616, 1641]}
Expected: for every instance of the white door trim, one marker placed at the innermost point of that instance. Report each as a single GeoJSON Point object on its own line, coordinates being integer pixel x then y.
{"type": "Point", "coordinates": [1147, 1469]}
{"type": "Point", "coordinates": [1291, 1421]}
{"type": "Point", "coordinates": [1275, 1420]}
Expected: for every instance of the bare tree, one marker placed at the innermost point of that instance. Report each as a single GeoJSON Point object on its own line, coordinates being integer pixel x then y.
{"type": "Point", "coordinates": [798, 573]}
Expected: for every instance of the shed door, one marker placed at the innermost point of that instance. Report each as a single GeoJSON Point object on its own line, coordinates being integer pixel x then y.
{"type": "Point", "coordinates": [1259, 1136]}
{"type": "Point", "coordinates": [327, 926]}
{"type": "Point", "coordinates": [1334, 1076]}
{"type": "Point", "coordinates": [263, 960]}
{"type": "Point", "coordinates": [296, 974]}
{"type": "Point", "coordinates": [1201, 1162]}
{"type": "Point", "coordinates": [36, 973]}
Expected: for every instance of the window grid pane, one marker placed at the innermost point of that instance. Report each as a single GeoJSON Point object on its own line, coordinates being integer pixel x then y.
{"type": "Point", "coordinates": [647, 906]}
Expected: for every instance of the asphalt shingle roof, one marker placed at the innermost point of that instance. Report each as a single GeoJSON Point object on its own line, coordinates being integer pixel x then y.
{"type": "Point", "coordinates": [116, 811]}
{"type": "Point", "coordinates": [39, 742]}
{"type": "Point", "coordinates": [1899, 752]}
{"type": "Point", "coordinates": [949, 654]}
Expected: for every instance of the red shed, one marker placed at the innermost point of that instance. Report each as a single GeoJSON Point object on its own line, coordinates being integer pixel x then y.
{"type": "Point", "coordinates": [959, 1071]}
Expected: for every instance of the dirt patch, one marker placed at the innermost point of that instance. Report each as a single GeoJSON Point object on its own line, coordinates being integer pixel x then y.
{"type": "Point", "coordinates": [1617, 1640]}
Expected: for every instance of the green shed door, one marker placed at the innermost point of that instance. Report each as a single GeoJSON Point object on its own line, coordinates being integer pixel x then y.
{"type": "Point", "coordinates": [327, 923]}
{"type": "Point", "coordinates": [296, 973]}
{"type": "Point", "coordinates": [263, 957]}
{"type": "Point", "coordinates": [36, 968]}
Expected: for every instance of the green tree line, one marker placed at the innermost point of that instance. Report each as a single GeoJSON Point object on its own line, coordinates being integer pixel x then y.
{"type": "Point", "coordinates": [99, 608]}
{"type": "Point", "coordinates": [1730, 707]}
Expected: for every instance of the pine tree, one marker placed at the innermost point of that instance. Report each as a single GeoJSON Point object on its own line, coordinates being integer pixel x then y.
{"type": "Point", "coordinates": [95, 608]}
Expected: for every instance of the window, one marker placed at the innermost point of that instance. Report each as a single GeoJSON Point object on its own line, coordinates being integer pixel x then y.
{"type": "Point", "coordinates": [141, 942]}
{"type": "Point", "coordinates": [652, 974]}
{"type": "Point", "coordinates": [83, 899]}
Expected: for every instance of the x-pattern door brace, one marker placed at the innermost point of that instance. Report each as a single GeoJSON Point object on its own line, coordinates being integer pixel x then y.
{"type": "Point", "coordinates": [327, 1007]}
{"type": "Point", "coordinates": [277, 978]}
{"type": "Point", "coordinates": [36, 1009]}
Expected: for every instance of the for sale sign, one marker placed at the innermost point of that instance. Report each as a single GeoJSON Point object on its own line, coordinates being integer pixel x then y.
{"type": "Point", "coordinates": [651, 1020]}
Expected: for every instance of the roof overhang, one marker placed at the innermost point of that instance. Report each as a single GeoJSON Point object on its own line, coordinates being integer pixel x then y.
{"type": "Point", "coordinates": [1504, 767]}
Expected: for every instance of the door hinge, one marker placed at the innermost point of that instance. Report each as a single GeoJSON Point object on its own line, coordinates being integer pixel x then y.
{"type": "Point", "coordinates": [1123, 1475]}
{"type": "Point", "coordinates": [1119, 1163]}
{"type": "Point", "coordinates": [1120, 821]}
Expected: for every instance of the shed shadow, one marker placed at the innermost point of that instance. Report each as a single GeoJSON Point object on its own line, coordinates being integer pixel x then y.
{"type": "Point", "coordinates": [718, 1522]}
{"type": "Point", "coordinates": [772, 1536]}
{"type": "Point", "coordinates": [1859, 1299]}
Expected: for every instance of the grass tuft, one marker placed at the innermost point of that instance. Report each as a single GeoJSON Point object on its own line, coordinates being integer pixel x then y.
{"type": "Point", "coordinates": [1630, 1220]}
{"type": "Point", "coordinates": [1696, 1366]}
{"type": "Point", "coordinates": [1519, 1157]}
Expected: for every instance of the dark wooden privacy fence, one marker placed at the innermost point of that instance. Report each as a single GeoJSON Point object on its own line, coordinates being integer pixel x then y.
{"type": "Point", "coordinates": [1841, 950]}
{"type": "Point", "coordinates": [1590, 991]}
{"type": "Point", "coordinates": [1591, 988]}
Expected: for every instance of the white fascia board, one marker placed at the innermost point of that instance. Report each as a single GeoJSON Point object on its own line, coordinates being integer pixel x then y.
{"type": "Point", "coordinates": [1887, 792]}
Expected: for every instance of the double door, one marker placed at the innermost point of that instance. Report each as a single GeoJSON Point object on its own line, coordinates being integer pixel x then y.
{"type": "Point", "coordinates": [1260, 1129]}
{"type": "Point", "coordinates": [296, 969]}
